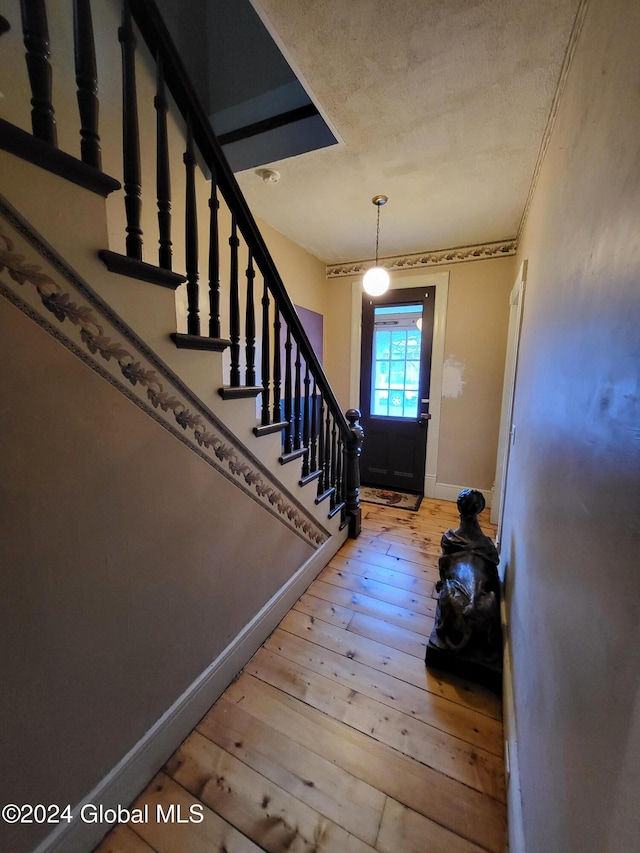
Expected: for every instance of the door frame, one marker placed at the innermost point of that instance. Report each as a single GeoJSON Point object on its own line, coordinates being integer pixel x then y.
{"type": "Point", "coordinates": [439, 280]}
{"type": "Point", "coordinates": [506, 433]}
{"type": "Point", "coordinates": [405, 436]}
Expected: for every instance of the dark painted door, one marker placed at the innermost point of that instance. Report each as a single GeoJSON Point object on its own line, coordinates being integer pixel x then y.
{"type": "Point", "coordinates": [397, 337]}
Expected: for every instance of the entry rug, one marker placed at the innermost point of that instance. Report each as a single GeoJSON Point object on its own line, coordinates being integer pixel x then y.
{"type": "Point", "coordinates": [388, 497]}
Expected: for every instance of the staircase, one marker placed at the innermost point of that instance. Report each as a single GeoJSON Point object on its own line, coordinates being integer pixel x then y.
{"type": "Point", "coordinates": [160, 282]}
{"type": "Point", "coordinates": [244, 297]}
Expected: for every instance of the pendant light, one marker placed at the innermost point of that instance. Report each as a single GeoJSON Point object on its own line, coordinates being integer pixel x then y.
{"type": "Point", "coordinates": [376, 279]}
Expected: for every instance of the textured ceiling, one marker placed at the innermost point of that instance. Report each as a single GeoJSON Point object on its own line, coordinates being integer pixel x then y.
{"type": "Point", "coordinates": [439, 104]}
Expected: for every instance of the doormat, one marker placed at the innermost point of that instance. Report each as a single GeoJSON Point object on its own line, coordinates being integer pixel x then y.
{"type": "Point", "coordinates": [389, 497]}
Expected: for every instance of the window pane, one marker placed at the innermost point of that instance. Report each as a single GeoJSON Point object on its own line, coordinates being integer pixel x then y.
{"type": "Point", "coordinates": [411, 404]}
{"type": "Point", "coordinates": [412, 375]}
{"type": "Point", "coordinates": [398, 344]}
{"type": "Point", "coordinates": [413, 343]}
{"type": "Point", "coordinates": [386, 310]}
{"type": "Point", "coordinates": [382, 343]}
{"type": "Point", "coordinates": [396, 375]}
{"type": "Point", "coordinates": [396, 400]}
{"type": "Point", "coordinates": [381, 378]}
{"type": "Point", "coordinates": [380, 403]}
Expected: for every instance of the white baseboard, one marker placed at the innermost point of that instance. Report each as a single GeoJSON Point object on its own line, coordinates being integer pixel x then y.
{"type": "Point", "coordinates": [430, 486]}
{"type": "Point", "coordinates": [136, 769]}
{"type": "Point", "coordinates": [447, 492]}
{"type": "Point", "coordinates": [514, 798]}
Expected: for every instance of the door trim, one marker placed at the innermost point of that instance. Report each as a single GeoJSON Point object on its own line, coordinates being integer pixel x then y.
{"type": "Point", "coordinates": [506, 434]}
{"type": "Point", "coordinates": [439, 280]}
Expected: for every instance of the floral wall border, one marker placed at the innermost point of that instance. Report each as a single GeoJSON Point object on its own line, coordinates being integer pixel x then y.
{"type": "Point", "coordinates": [76, 316]}
{"type": "Point", "coordinates": [459, 255]}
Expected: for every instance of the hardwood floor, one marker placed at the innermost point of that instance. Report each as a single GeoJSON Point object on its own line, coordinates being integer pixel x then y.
{"type": "Point", "coordinates": [335, 737]}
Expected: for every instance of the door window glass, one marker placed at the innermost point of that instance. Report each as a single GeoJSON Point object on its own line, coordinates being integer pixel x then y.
{"type": "Point", "coordinates": [395, 378]}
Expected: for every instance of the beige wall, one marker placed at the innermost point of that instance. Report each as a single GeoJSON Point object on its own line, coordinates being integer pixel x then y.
{"type": "Point", "coordinates": [302, 274]}
{"type": "Point", "coordinates": [571, 538]}
{"type": "Point", "coordinates": [337, 338]}
{"type": "Point", "coordinates": [475, 342]}
{"type": "Point", "coordinates": [126, 571]}
{"type": "Point", "coordinates": [475, 346]}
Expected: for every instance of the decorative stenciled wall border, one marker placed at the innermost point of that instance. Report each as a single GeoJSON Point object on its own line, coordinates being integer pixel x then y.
{"type": "Point", "coordinates": [66, 307]}
{"type": "Point", "coordinates": [428, 259]}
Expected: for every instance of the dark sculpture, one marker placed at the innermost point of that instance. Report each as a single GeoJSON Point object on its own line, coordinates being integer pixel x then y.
{"type": "Point", "coordinates": [466, 638]}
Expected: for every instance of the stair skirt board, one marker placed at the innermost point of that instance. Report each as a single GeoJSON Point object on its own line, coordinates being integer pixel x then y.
{"type": "Point", "coordinates": [136, 769]}
{"type": "Point", "coordinates": [44, 287]}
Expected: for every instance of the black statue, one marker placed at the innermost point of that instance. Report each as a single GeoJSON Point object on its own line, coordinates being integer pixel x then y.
{"type": "Point", "coordinates": [466, 638]}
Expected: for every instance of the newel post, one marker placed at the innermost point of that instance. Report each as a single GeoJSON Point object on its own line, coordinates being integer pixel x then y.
{"type": "Point", "coordinates": [354, 443]}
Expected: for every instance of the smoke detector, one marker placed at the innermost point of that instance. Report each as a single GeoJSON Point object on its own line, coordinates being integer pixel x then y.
{"type": "Point", "coordinates": [269, 176]}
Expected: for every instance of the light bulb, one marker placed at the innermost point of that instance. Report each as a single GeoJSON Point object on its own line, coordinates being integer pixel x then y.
{"type": "Point", "coordinates": [376, 281]}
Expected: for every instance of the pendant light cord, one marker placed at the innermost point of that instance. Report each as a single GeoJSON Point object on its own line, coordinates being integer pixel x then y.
{"type": "Point", "coordinates": [376, 279]}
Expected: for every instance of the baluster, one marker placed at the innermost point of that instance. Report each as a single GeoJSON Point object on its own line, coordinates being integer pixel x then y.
{"type": "Point", "coordinates": [277, 375]}
{"type": "Point", "coordinates": [306, 420]}
{"type": "Point", "coordinates": [234, 306]}
{"type": "Point", "coordinates": [163, 175]}
{"type": "Point", "coordinates": [297, 409]}
{"type": "Point", "coordinates": [131, 136]}
{"type": "Point", "coordinates": [250, 326]}
{"type": "Point", "coordinates": [321, 478]}
{"type": "Point", "coordinates": [191, 237]}
{"type": "Point", "coordinates": [334, 462]}
{"type": "Point", "coordinates": [313, 465]}
{"type": "Point", "coordinates": [264, 367]}
{"type": "Point", "coordinates": [326, 464]}
{"type": "Point", "coordinates": [340, 470]}
{"type": "Point", "coordinates": [288, 415]}
{"type": "Point", "coordinates": [87, 82]}
{"type": "Point", "coordinates": [214, 261]}
{"type": "Point", "coordinates": [36, 40]}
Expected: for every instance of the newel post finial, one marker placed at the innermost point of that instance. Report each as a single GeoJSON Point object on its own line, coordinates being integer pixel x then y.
{"type": "Point", "coordinates": [353, 450]}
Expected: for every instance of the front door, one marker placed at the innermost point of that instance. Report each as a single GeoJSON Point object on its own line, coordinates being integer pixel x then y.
{"type": "Point", "coordinates": [397, 337]}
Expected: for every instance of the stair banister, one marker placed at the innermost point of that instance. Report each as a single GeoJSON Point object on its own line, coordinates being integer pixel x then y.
{"type": "Point", "coordinates": [316, 430]}
{"type": "Point", "coordinates": [155, 33]}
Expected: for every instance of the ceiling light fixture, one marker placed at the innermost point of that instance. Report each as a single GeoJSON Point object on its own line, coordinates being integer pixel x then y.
{"type": "Point", "coordinates": [376, 279]}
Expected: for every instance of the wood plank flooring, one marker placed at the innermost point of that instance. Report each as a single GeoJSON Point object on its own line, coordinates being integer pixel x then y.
{"type": "Point", "coordinates": [335, 738]}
